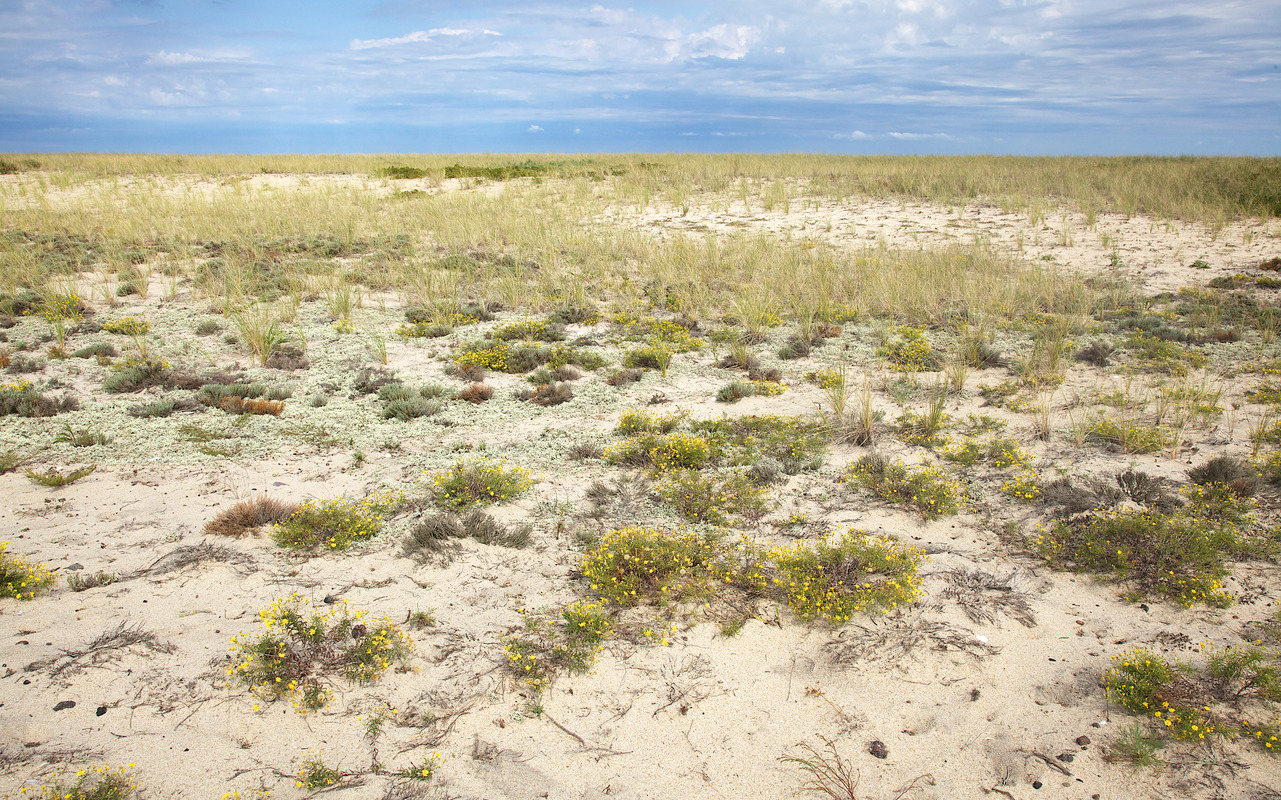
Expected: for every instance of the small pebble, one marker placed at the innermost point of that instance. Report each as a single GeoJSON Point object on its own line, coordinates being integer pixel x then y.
{"type": "Point", "coordinates": [65, 704]}
{"type": "Point", "coordinates": [1065, 757]}
{"type": "Point", "coordinates": [330, 599]}
{"type": "Point", "coordinates": [1082, 740]}
{"type": "Point", "coordinates": [878, 749]}
{"type": "Point", "coordinates": [75, 567]}
{"type": "Point", "coordinates": [1036, 784]}
{"type": "Point", "coordinates": [101, 710]}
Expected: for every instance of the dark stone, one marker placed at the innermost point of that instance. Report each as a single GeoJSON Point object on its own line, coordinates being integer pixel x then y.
{"type": "Point", "coordinates": [65, 704]}
{"type": "Point", "coordinates": [1036, 784]}
{"type": "Point", "coordinates": [1065, 757]}
{"type": "Point", "coordinates": [1082, 740]}
{"type": "Point", "coordinates": [101, 710]}
{"type": "Point", "coordinates": [878, 749]}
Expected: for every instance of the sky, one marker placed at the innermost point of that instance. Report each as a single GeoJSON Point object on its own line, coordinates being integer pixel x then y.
{"type": "Point", "coordinates": [1074, 77]}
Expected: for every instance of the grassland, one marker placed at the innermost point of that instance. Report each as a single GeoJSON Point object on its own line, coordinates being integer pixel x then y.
{"type": "Point", "coordinates": [643, 475]}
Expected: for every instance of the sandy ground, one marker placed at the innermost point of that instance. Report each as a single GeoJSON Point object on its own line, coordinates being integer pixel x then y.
{"type": "Point", "coordinates": [1005, 706]}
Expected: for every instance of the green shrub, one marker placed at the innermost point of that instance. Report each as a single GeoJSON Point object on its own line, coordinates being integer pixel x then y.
{"type": "Point", "coordinates": [545, 647]}
{"type": "Point", "coordinates": [301, 647]}
{"type": "Point", "coordinates": [399, 172]}
{"type": "Point", "coordinates": [907, 350]}
{"type": "Point", "coordinates": [1187, 701]}
{"type": "Point", "coordinates": [479, 480]}
{"type": "Point", "coordinates": [22, 400]}
{"type": "Point", "coordinates": [717, 500]}
{"type": "Point", "coordinates": [796, 443]}
{"type": "Point", "coordinates": [653, 566]}
{"type": "Point", "coordinates": [1179, 555]}
{"type": "Point", "coordinates": [95, 783]}
{"type": "Point", "coordinates": [334, 523]}
{"type": "Point", "coordinates": [661, 453]}
{"type": "Point", "coordinates": [128, 326]}
{"type": "Point", "coordinates": [833, 581]}
{"type": "Point", "coordinates": [640, 421]}
{"type": "Point", "coordinates": [928, 489]}
{"type": "Point", "coordinates": [20, 578]}
{"type": "Point", "coordinates": [530, 329]}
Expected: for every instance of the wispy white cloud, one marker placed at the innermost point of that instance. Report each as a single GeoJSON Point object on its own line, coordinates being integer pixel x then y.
{"type": "Point", "coordinates": [418, 37]}
{"type": "Point", "coordinates": [535, 129]}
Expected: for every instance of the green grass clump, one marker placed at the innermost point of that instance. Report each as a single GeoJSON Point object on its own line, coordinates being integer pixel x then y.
{"type": "Point", "coordinates": [833, 581]}
{"type": "Point", "coordinates": [674, 336]}
{"type": "Point", "coordinates": [907, 350]}
{"type": "Point", "coordinates": [927, 489]}
{"type": "Point", "coordinates": [479, 480]}
{"type": "Point", "coordinates": [660, 453]}
{"type": "Point", "coordinates": [545, 648]}
{"type": "Point", "coordinates": [714, 499]}
{"type": "Point", "coordinates": [128, 326]}
{"type": "Point", "coordinates": [95, 783]}
{"type": "Point", "coordinates": [1179, 555]}
{"type": "Point", "coordinates": [21, 579]}
{"type": "Point", "coordinates": [335, 523]}
{"type": "Point", "coordinates": [54, 478]}
{"type": "Point", "coordinates": [301, 649]}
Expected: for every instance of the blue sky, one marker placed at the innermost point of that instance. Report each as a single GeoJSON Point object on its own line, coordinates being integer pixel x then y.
{"type": "Point", "coordinates": [840, 76]}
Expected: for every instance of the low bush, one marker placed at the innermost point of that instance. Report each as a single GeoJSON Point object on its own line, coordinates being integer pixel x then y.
{"type": "Point", "coordinates": [907, 350]}
{"type": "Point", "coordinates": [545, 647]}
{"type": "Point", "coordinates": [652, 566]}
{"type": "Point", "coordinates": [1178, 555]}
{"type": "Point", "coordinates": [336, 523]}
{"type": "Point", "coordinates": [833, 581]}
{"type": "Point", "coordinates": [476, 393]}
{"type": "Point", "coordinates": [1224, 696]}
{"type": "Point", "coordinates": [714, 499]}
{"type": "Point", "coordinates": [927, 489]}
{"type": "Point", "coordinates": [301, 649]}
{"type": "Point", "coordinates": [22, 400]}
{"type": "Point", "coordinates": [479, 480]}
{"type": "Point", "coordinates": [661, 453]}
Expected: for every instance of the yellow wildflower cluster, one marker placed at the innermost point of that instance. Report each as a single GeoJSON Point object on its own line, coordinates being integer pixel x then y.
{"type": "Point", "coordinates": [128, 326]}
{"type": "Point", "coordinates": [93, 783]}
{"type": "Point", "coordinates": [20, 578]}
{"type": "Point", "coordinates": [1023, 488]}
{"type": "Point", "coordinates": [492, 357]}
{"type": "Point", "coordinates": [544, 648]}
{"type": "Point", "coordinates": [714, 499]}
{"type": "Point", "coordinates": [663, 453]}
{"type": "Point", "coordinates": [834, 581]}
{"type": "Point", "coordinates": [300, 646]}
{"type": "Point", "coordinates": [479, 480]}
{"type": "Point", "coordinates": [335, 523]}
{"type": "Point", "coordinates": [62, 307]}
{"type": "Point", "coordinates": [907, 350]}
